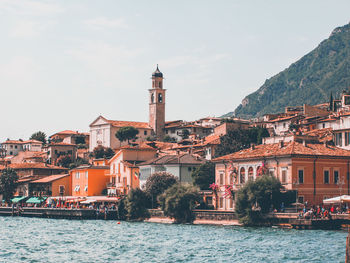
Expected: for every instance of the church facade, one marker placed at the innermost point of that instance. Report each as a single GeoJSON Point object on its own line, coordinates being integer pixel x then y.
{"type": "Point", "coordinates": [102, 130]}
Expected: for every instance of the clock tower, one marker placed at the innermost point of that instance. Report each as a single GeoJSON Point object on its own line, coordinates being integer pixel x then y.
{"type": "Point", "coordinates": [157, 104]}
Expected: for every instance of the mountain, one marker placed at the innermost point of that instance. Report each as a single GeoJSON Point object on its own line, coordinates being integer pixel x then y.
{"type": "Point", "coordinates": [310, 80]}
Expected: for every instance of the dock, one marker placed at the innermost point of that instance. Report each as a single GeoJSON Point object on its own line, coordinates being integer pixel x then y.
{"type": "Point", "coordinates": [59, 213]}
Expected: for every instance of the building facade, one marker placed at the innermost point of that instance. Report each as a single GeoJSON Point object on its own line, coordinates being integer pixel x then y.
{"type": "Point", "coordinates": [316, 171]}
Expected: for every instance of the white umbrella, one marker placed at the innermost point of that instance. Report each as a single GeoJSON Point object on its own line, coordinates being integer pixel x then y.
{"type": "Point", "coordinates": [337, 199]}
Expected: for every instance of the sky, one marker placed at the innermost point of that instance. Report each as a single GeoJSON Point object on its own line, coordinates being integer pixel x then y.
{"type": "Point", "coordinates": [63, 63]}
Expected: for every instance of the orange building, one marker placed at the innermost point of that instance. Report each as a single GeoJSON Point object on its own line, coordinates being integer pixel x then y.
{"type": "Point", "coordinates": [316, 171]}
{"type": "Point", "coordinates": [124, 170]}
{"type": "Point", "coordinates": [54, 185]}
{"type": "Point", "coordinates": [89, 180]}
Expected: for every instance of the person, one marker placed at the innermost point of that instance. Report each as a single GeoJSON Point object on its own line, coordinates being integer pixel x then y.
{"type": "Point", "coordinates": [332, 209]}
{"type": "Point", "coordinates": [282, 207]}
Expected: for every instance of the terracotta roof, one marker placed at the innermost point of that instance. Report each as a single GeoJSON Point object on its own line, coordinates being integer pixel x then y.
{"type": "Point", "coordinates": [323, 134]}
{"type": "Point", "coordinates": [135, 124]}
{"type": "Point", "coordinates": [283, 118]}
{"type": "Point", "coordinates": [50, 178]}
{"type": "Point", "coordinates": [32, 141]}
{"type": "Point", "coordinates": [291, 148]}
{"type": "Point", "coordinates": [185, 158]}
{"type": "Point", "coordinates": [66, 132]}
{"type": "Point", "coordinates": [61, 144]}
{"type": "Point", "coordinates": [34, 166]}
{"type": "Point", "coordinates": [13, 142]}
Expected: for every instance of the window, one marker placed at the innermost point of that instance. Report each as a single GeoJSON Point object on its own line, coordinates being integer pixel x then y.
{"type": "Point", "coordinates": [231, 203]}
{"type": "Point", "coordinates": [284, 125]}
{"type": "Point", "coordinates": [77, 175]}
{"type": "Point", "coordinates": [61, 189]}
{"type": "Point", "coordinates": [242, 176]}
{"type": "Point", "coordinates": [284, 176]}
{"type": "Point", "coordinates": [338, 139]}
{"type": "Point", "coordinates": [250, 173]}
{"type": "Point", "coordinates": [144, 132]}
{"type": "Point", "coordinates": [300, 176]}
{"type": "Point", "coordinates": [221, 182]}
{"type": "Point", "coordinates": [86, 174]}
{"type": "Point", "coordinates": [160, 98]}
{"type": "Point", "coordinates": [336, 176]}
{"type": "Point", "coordinates": [77, 188]}
{"type": "Point", "coordinates": [172, 130]}
{"type": "Point", "coordinates": [221, 202]}
{"type": "Point", "coordinates": [323, 125]}
{"type": "Point", "coordinates": [11, 146]}
{"type": "Point", "coordinates": [301, 199]}
{"type": "Point", "coordinates": [326, 176]}
{"type": "Point", "coordinates": [166, 131]}
{"type": "Point", "coordinates": [152, 98]}
{"type": "Point", "coordinates": [15, 146]}
{"type": "Point", "coordinates": [86, 188]}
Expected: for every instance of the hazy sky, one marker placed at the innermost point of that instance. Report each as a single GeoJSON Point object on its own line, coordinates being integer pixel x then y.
{"type": "Point", "coordinates": [63, 63]}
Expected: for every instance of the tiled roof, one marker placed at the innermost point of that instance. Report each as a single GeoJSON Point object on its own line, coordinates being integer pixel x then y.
{"type": "Point", "coordinates": [61, 144]}
{"type": "Point", "coordinates": [283, 118]}
{"type": "Point", "coordinates": [13, 142]}
{"type": "Point", "coordinates": [175, 159]}
{"type": "Point", "coordinates": [32, 141]}
{"type": "Point", "coordinates": [323, 134]}
{"type": "Point", "coordinates": [291, 148]}
{"type": "Point", "coordinates": [34, 166]}
{"type": "Point", "coordinates": [50, 178]}
{"type": "Point", "coordinates": [135, 124]}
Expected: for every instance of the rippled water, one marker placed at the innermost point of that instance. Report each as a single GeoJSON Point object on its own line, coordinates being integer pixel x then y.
{"type": "Point", "coordinates": [49, 240]}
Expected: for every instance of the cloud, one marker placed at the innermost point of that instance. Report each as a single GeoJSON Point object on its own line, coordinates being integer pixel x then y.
{"type": "Point", "coordinates": [28, 7]}
{"type": "Point", "coordinates": [107, 62]}
{"type": "Point", "coordinates": [29, 28]}
{"type": "Point", "coordinates": [103, 22]}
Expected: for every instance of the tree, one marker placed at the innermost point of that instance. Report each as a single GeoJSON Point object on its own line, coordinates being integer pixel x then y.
{"type": "Point", "coordinates": [135, 205]}
{"type": "Point", "coordinates": [39, 136]}
{"type": "Point", "coordinates": [64, 160]}
{"type": "Point", "coordinates": [179, 201]}
{"type": "Point", "coordinates": [204, 175]}
{"type": "Point", "coordinates": [185, 134]}
{"type": "Point", "coordinates": [126, 133]}
{"type": "Point", "coordinates": [256, 198]}
{"type": "Point", "coordinates": [80, 139]}
{"type": "Point", "coordinates": [157, 183]}
{"type": "Point", "coordinates": [102, 152]}
{"type": "Point", "coordinates": [239, 139]}
{"type": "Point", "coordinates": [8, 183]}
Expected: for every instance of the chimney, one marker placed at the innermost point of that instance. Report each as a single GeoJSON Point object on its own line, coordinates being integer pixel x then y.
{"type": "Point", "coordinates": [325, 144]}
{"type": "Point", "coordinates": [304, 143]}
{"type": "Point", "coordinates": [281, 143]}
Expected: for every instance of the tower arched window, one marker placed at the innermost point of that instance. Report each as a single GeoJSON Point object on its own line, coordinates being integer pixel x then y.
{"type": "Point", "coordinates": [152, 98]}
{"type": "Point", "coordinates": [160, 97]}
{"type": "Point", "coordinates": [160, 84]}
{"type": "Point", "coordinates": [242, 175]}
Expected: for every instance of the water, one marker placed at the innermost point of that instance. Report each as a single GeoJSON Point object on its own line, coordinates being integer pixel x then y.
{"type": "Point", "coordinates": [49, 240]}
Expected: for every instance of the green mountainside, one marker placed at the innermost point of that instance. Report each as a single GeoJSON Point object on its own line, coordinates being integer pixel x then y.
{"type": "Point", "coordinates": [310, 80]}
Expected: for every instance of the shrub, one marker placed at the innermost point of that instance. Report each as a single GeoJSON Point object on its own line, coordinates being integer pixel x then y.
{"type": "Point", "coordinates": [179, 201]}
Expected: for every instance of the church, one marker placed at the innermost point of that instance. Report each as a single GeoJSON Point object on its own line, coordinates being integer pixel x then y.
{"type": "Point", "coordinates": [102, 130]}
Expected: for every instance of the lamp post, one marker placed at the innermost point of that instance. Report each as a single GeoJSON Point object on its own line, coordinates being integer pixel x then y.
{"type": "Point", "coordinates": [296, 184]}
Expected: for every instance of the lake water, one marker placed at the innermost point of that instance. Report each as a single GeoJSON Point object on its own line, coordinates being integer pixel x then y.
{"type": "Point", "coordinates": [50, 240]}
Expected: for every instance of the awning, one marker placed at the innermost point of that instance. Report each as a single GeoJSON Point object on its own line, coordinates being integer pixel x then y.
{"type": "Point", "coordinates": [88, 201]}
{"type": "Point", "coordinates": [18, 199]}
{"type": "Point", "coordinates": [36, 200]}
{"type": "Point", "coordinates": [338, 199]}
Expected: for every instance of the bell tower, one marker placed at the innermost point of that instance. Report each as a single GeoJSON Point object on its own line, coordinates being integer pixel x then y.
{"type": "Point", "coordinates": [157, 104]}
